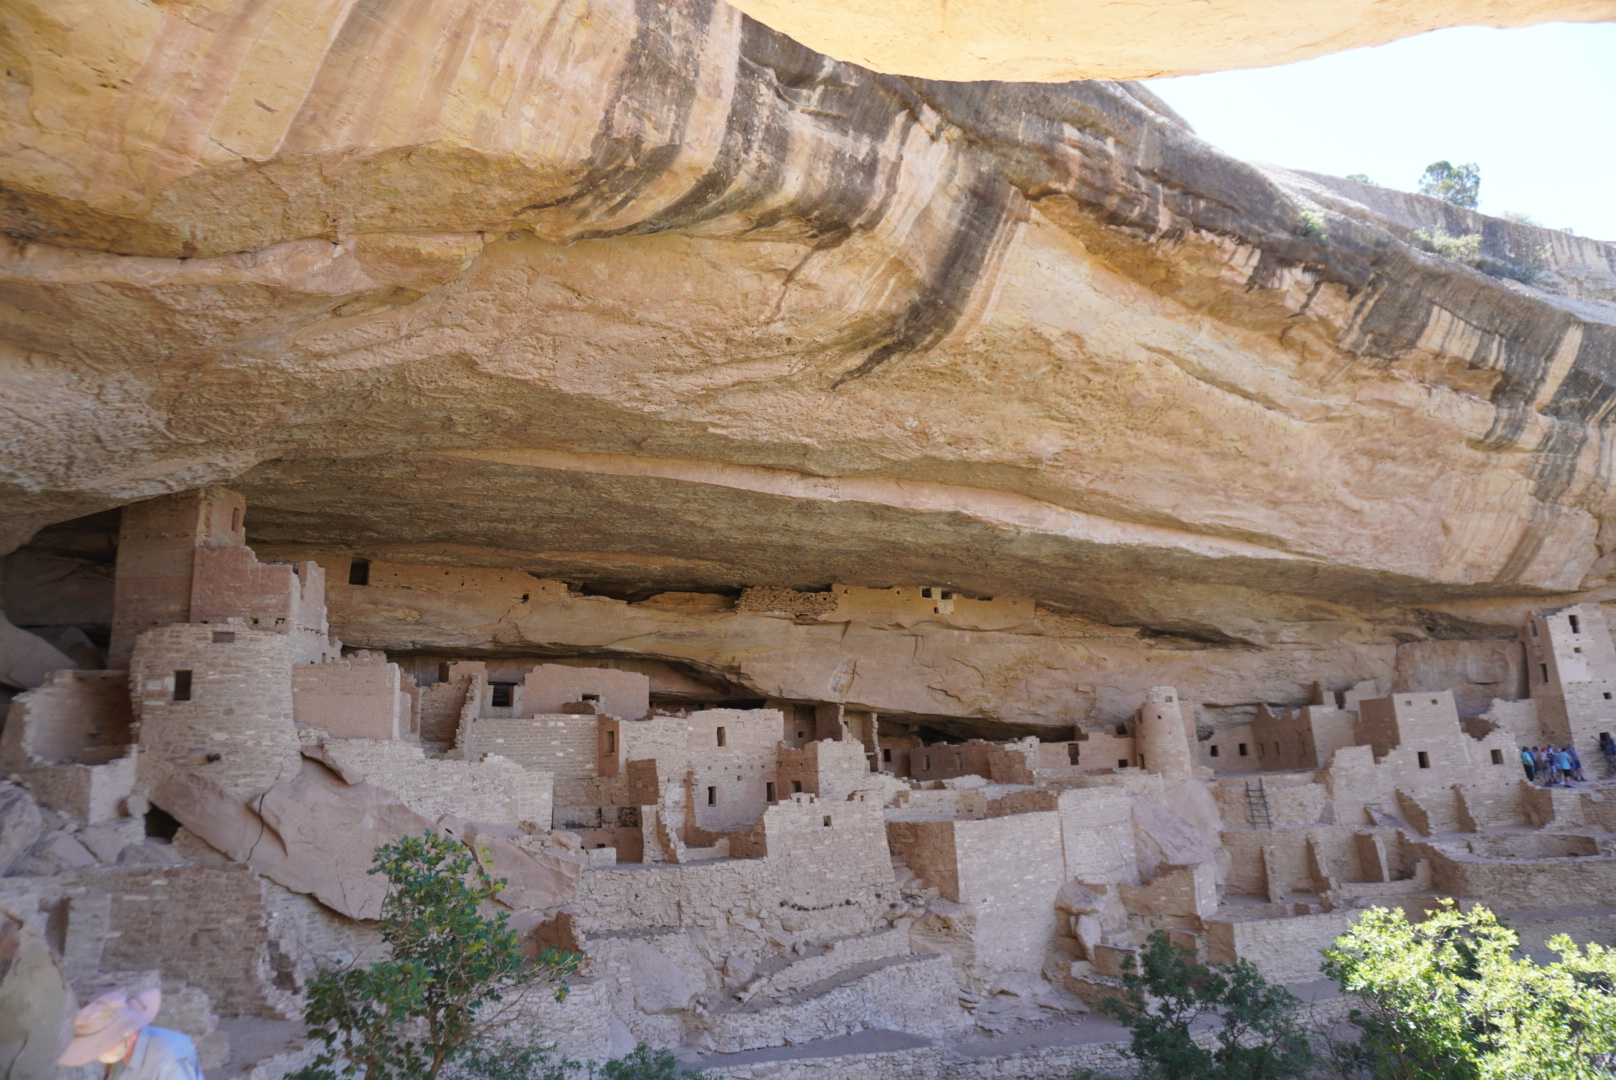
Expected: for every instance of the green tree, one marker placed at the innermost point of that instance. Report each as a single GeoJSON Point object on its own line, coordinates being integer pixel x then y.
{"type": "Point", "coordinates": [1166, 992]}
{"type": "Point", "coordinates": [646, 1064]}
{"type": "Point", "coordinates": [1362, 178]}
{"type": "Point", "coordinates": [428, 1004]}
{"type": "Point", "coordinates": [1456, 184]}
{"type": "Point", "coordinates": [1448, 999]}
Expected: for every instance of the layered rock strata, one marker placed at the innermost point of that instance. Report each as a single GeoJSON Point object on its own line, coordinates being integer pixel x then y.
{"type": "Point", "coordinates": [660, 298]}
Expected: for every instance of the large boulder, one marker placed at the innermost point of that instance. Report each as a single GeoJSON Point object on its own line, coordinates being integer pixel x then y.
{"type": "Point", "coordinates": [20, 824]}
{"type": "Point", "coordinates": [313, 834]}
{"type": "Point", "coordinates": [36, 1005]}
{"type": "Point", "coordinates": [25, 659]}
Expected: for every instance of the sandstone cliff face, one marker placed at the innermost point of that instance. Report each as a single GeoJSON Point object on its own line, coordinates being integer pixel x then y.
{"type": "Point", "coordinates": [653, 297]}
{"type": "Point", "coordinates": [1096, 39]}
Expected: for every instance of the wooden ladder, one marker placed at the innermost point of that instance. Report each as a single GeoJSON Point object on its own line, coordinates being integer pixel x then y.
{"type": "Point", "coordinates": [1257, 806]}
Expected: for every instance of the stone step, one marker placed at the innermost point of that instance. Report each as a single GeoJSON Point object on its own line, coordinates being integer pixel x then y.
{"type": "Point", "coordinates": [917, 993]}
{"type": "Point", "coordinates": [823, 961]}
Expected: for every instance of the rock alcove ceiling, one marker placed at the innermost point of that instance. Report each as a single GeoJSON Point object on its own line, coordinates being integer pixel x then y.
{"type": "Point", "coordinates": [652, 297]}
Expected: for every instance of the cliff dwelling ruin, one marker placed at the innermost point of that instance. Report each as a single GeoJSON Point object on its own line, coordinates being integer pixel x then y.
{"type": "Point", "coordinates": [741, 875]}
{"type": "Point", "coordinates": [856, 552]}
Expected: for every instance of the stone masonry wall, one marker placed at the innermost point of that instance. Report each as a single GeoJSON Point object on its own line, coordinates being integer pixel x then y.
{"type": "Point", "coordinates": [352, 700]}
{"type": "Point", "coordinates": [236, 727]}
{"type": "Point", "coordinates": [623, 694]}
{"type": "Point", "coordinates": [494, 790]}
{"type": "Point", "coordinates": [203, 924]}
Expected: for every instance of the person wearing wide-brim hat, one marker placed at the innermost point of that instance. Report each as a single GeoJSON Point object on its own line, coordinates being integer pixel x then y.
{"type": "Point", "coordinates": [117, 1031]}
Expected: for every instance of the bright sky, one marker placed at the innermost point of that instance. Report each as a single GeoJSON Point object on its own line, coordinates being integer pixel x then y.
{"type": "Point", "coordinates": [1535, 108]}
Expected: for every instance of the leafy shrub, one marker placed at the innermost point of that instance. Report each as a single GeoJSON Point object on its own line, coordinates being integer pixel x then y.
{"type": "Point", "coordinates": [645, 1064]}
{"type": "Point", "coordinates": [1466, 248]}
{"type": "Point", "coordinates": [1447, 999]}
{"type": "Point", "coordinates": [426, 1007]}
{"type": "Point", "coordinates": [1167, 991]}
{"type": "Point", "coordinates": [1459, 185]}
{"type": "Point", "coordinates": [1362, 178]}
{"type": "Point", "coordinates": [1312, 223]}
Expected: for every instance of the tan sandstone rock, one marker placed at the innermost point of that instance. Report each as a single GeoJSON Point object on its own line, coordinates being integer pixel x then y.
{"type": "Point", "coordinates": [659, 300]}
{"type": "Point", "coordinates": [1096, 39]}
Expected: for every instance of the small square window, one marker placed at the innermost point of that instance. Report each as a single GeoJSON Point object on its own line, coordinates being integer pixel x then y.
{"type": "Point", "coordinates": [1242, 750]}
{"type": "Point", "coordinates": [1213, 752]}
{"type": "Point", "coordinates": [501, 695]}
{"type": "Point", "coordinates": [827, 821]}
{"type": "Point", "coordinates": [224, 637]}
{"type": "Point", "coordinates": [182, 686]}
{"type": "Point", "coordinates": [1425, 759]}
{"type": "Point", "coordinates": [590, 697]}
{"type": "Point", "coordinates": [886, 755]}
{"type": "Point", "coordinates": [1498, 757]}
{"type": "Point", "coordinates": [359, 572]}
{"type": "Point", "coordinates": [1122, 763]}
{"type": "Point", "coordinates": [796, 787]}
{"type": "Point", "coordinates": [712, 796]}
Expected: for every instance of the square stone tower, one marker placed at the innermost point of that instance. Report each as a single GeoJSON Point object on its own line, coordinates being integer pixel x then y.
{"type": "Point", "coordinates": [1571, 665]}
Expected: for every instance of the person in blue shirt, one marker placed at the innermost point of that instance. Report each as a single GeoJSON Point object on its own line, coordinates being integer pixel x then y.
{"type": "Point", "coordinates": [117, 1031]}
{"type": "Point", "coordinates": [1527, 763]}
{"type": "Point", "coordinates": [1562, 762]}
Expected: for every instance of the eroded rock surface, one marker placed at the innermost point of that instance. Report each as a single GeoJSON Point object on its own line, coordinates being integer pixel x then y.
{"type": "Point", "coordinates": [657, 298]}
{"type": "Point", "coordinates": [1095, 39]}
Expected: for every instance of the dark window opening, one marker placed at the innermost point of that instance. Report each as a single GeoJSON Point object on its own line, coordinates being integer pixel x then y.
{"type": "Point", "coordinates": [359, 572]}
{"type": "Point", "coordinates": [886, 755]}
{"type": "Point", "coordinates": [827, 821]}
{"type": "Point", "coordinates": [1141, 761]}
{"type": "Point", "coordinates": [1212, 752]}
{"type": "Point", "coordinates": [1607, 695]}
{"type": "Point", "coordinates": [1074, 753]}
{"type": "Point", "coordinates": [928, 762]}
{"type": "Point", "coordinates": [1498, 757]}
{"type": "Point", "coordinates": [161, 825]}
{"type": "Point", "coordinates": [1576, 648]}
{"type": "Point", "coordinates": [1122, 729]}
{"type": "Point", "coordinates": [1545, 669]}
{"type": "Point", "coordinates": [712, 796]}
{"type": "Point", "coordinates": [1575, 629]}
{"type": "Point", "coordinates": [721, 737]}
{"type": "Point", "coordinates": [1242, 750]}
{"type": "Point", "coordinates": [590, 697]}
{"type": "Point", "coordinates": [768, 790]}
{"type": "Point", "coordinates": [1122, 763]}
{"type": "Point", "coordinates": [235, 526]}
{"type": "Point", "coordinates": [1425, 759]}
{"type": "Point", "coordinates": [182, 686]}
{"type": "Point", "coordinates": [802, 734]}
{"type": "Point", "coordinates": [611, 742]}
{"type": "Point", "coordinates": [1433, 701]}
{"type": "Point", "coordinates": [796, 787]}
{"type": "Point", "coordinates": [501, 695]}
{"type": "Point", "coordinates": [224, 637]}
